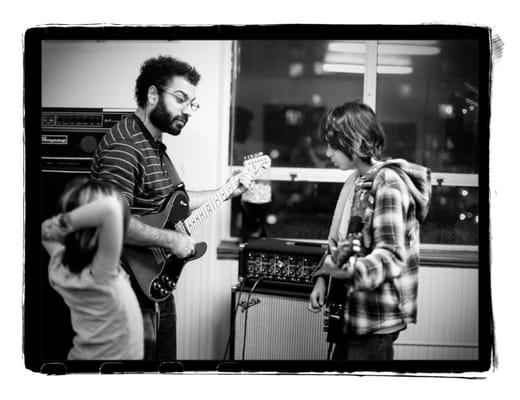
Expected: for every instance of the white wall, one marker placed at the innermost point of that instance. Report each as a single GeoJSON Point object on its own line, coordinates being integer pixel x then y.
{"type": "Point", "coordinates": [102, 74]}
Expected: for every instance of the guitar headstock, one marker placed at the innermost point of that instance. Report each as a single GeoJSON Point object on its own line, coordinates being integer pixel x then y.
{"type": "Point", "coordinates": [255, 163]}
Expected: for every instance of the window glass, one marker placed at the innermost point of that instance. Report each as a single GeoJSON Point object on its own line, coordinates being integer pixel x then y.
{"type": "Point", "coordinates": [453, 217]}
{"type": "Point", "coordinates": [282, 89]}
{"type": "Point", "coordinates": [427, 102]}
{"type": "Point", "coordinates": [427, 99]}
{"type": "Point", "coordinates": [303, 210]}
{"type": "Point", "coordinates": [300, 210]}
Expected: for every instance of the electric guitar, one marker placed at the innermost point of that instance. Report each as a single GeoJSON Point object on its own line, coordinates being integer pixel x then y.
{"type": "Point", "coordinates": [156, 269]}
{"type": "Point", "coordinates": [338, 290]}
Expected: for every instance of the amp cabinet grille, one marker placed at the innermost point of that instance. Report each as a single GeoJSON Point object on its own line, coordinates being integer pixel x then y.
{"type": "Point", "coordinates": [279, 327]}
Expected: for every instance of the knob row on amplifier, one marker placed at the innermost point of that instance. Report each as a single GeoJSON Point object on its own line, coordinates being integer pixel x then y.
{"type": "Point", "coordinates": [280, 261]}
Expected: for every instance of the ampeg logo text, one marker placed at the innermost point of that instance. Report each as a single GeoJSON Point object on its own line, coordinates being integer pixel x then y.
{"type": "Point", "coordinates": [54, 139]}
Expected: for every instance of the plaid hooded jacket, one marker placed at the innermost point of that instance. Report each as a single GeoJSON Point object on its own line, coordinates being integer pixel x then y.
{"type": "Point", "coordinates": [392, 199]}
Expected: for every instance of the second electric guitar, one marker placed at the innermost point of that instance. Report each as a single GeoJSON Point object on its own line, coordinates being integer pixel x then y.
{"type": "Point", "coordinates": [156, 269]}
{"type": "Point", "coordinates": [338, 290]}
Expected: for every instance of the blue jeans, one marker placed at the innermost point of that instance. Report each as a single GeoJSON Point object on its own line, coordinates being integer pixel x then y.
{"type": "Point", "coordinates": [160, 336]}
{"type": "Point", "coordinates": [366, 347]}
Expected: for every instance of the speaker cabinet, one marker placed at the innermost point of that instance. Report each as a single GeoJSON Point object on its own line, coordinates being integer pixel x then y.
{"type": "Point", "coordinates": [279, 327]}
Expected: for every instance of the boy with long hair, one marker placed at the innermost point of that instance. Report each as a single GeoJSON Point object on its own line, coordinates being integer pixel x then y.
{"type": "Point", "coordinates": [374, 237]}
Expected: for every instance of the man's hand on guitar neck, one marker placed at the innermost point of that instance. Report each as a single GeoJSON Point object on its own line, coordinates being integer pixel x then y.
{"type": "Point", "coordinates": [245, 180]}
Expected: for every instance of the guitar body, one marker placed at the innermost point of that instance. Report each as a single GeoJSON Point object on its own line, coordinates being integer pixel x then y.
{"type": "Point", "coordinates": [334, 307]}
{"type": "Point", "coordinates": [338, 290]}
{"type": "Point", "coordinates": [155, 269]}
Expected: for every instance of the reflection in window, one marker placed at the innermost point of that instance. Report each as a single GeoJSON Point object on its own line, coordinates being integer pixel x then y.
{"type": "Point", "coordinates": [427, 101]}
{"type": "Point", "coordinates": [303, 210]}
{"type": "Point", "coordinates": [282, 89]}
{"type": "Point", "coordinates": [453, 216]}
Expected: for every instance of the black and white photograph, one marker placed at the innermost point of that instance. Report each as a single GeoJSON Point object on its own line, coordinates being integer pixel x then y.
{"type": "Point", "coordinates": [285, 198]}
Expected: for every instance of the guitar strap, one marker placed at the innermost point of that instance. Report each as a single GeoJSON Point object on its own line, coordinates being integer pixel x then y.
{"type": "Point", "coordinates": [168, 165]}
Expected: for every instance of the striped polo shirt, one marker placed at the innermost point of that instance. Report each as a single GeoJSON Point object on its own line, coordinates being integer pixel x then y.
{"type": "Point", "coordinates": [129, 157]}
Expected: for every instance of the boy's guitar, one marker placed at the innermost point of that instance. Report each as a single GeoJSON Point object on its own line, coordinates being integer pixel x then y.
{"type": "Point", "coordinates": [156, 269]}
{"type": "Point", "coordinates": [338, 290]}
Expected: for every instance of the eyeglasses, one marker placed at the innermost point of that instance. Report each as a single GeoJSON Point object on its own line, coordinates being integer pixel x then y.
{"type": "Point", "coordinates": [183, 102]}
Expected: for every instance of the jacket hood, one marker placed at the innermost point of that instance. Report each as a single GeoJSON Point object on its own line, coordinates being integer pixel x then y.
{"type": "Point", "coordinates": [418, 180]}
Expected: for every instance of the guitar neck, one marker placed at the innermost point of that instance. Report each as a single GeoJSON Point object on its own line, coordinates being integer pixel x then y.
{"type": "Point", "coordinates": [200, 214]}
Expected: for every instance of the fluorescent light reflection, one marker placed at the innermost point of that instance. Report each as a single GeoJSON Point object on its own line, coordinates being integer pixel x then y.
{"type": "Point", "coordinates": [360, 69]}
{"type": "Point", "coordinates": [346, 47]}
{"type": "Point", "coordinates": [343, 68]}
{"type": "Point", "coordinates": [417, 48]}
{"type": "Point", "coordinates": [392, 69]}
{"type": "Point", "coordinates": [356, 58]}
{"type": "Point", "coordinates": [408, 50]}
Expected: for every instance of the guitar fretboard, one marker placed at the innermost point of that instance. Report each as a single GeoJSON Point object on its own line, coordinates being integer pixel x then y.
{"type": "Point", "coordinates": [200, 214]}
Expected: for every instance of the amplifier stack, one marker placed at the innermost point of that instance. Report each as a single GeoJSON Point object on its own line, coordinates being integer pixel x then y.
{"type": "Point", "coordinates": [272, 320]}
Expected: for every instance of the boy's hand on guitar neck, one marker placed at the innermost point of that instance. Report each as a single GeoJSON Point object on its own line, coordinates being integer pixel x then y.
{"type": "Point", "coordinates": [182, 245]}
{"type": "Point", "coordinates": [339, 264]}
{"type": "Point", "coordinates": [335, 270]}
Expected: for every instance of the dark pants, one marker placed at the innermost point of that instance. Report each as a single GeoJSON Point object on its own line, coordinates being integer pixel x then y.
{"type": "Point", "coordinates": [366, 347]}
{"type": "Point", "coordinates": [160, 336]}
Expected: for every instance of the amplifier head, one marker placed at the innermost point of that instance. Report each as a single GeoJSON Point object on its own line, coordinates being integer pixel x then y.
{"type": "Point", "coordinates": [280, 263]}
{"type": "Point", "coordinates": [69, 136]}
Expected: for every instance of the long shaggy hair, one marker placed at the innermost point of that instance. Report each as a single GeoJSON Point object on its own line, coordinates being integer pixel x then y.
{"type": "Point", "coordinates": [158, 72]}
{"type": "Point", "coordinates": [81, 245]}
{"type": "Point", "coordinates": [353, 128]}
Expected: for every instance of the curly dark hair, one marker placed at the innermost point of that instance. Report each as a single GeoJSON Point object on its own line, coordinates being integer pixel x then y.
{"type": "Point", "coordinates": [81, 245]}
{"type": "Point", "coordinates": [353, 128]}
{"type": "Point", "coordinates": [158, 72]}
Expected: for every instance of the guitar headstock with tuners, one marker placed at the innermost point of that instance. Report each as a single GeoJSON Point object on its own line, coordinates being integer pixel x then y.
{"type": "Point", "coordinates": [256, 163]}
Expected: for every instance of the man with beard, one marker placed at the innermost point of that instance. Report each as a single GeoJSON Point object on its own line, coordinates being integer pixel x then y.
{"type": "Point", "coordinates": [133, 157]}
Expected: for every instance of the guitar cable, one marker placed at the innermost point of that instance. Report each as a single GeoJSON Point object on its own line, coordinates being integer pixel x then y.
{"type": "Point", "coordinates": [231, 334]}
{"type": "Point", "coordinates": [329, 350]}
{"type": "Point", "coordinates": [157, 325]}
{"type": "Point", "coordinates": [245, 317]}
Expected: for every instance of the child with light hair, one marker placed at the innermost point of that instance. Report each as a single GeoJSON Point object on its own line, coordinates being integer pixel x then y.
{"type": "Point", "coordinates": [84, 243]}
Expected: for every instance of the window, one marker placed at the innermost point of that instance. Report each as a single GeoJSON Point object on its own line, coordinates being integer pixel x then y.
{"type": "Point", "coordinates": [425, 93]}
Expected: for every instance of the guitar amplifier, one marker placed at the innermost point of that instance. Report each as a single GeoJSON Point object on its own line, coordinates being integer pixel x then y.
{"type": "Point", "coordinates": [281, 264]}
